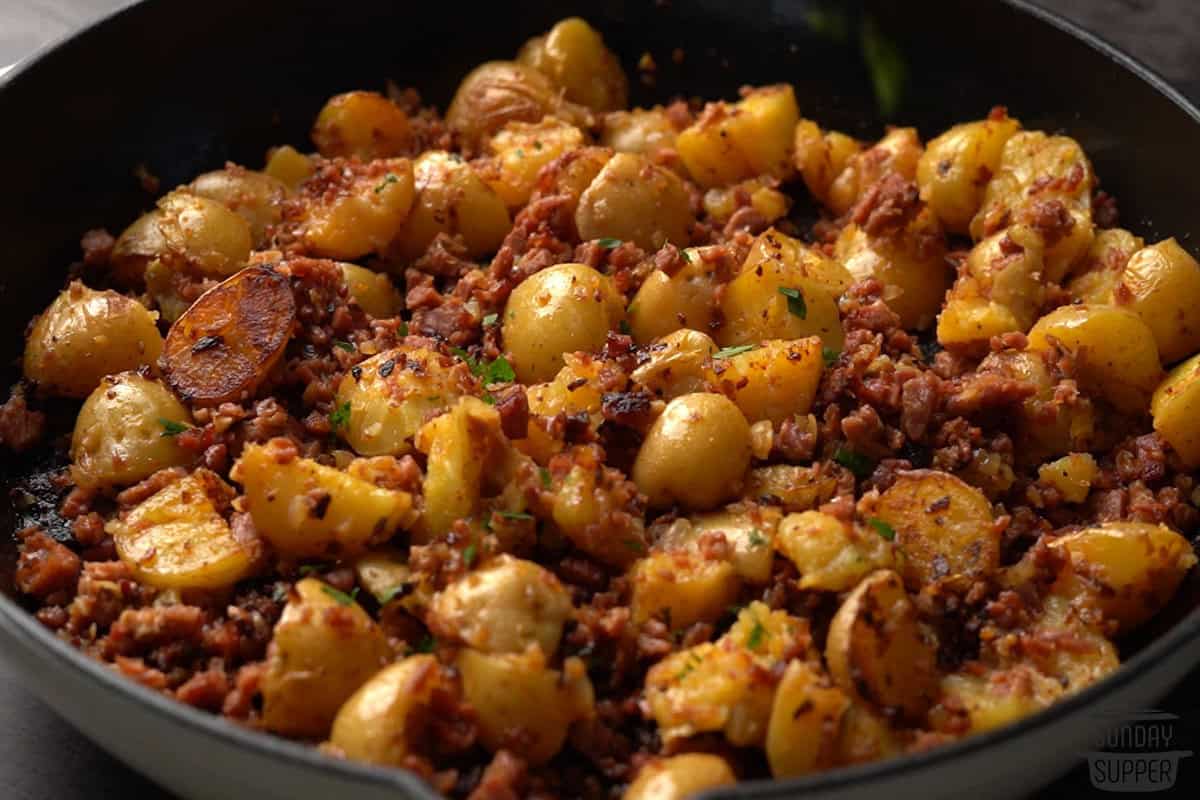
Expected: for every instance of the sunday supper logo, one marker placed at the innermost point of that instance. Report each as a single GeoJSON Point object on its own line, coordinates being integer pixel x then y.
{"type": "Point", "coordinates": [1140, 754]}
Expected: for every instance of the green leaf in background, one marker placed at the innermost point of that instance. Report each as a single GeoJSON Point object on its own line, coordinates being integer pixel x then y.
{"type": "Point", "coordinates": [885, 62]}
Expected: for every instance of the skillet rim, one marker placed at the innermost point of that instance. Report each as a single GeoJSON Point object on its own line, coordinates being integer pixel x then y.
{"type": "Point", "coordinates": [16, 621]}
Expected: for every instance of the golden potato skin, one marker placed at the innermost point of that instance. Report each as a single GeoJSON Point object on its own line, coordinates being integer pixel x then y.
{"type": "Point", "coordinates": [1161, 284]}
{"type": "Point", "coordinates": [1115, 353]}
{"type": "Point", "coordinates": [755, 304]}
{"type": "Point", "coordinates": [943, 526]}
{"type": "Point", "coordinates": [496, 93]}
{"type": "Point", "coordinates": [774, 381]}
{"type": "Point", "coordinates": [289, 166]}
{"type": "Point", "coordinates": [85, 335]}
{"type": "Point", "coordinates": [677, 364]}
{"type": "Point", "coordinates": [504, 606]}
{"type": "Point", "coordinates": [1102, 266]}
{"type": "Point", "coordinates": [805, 719]}
{"type": "Point", "coordinates": [566, 308]}
{"type": "Point", "coordinates": [695, 454]}
{"type": "Point", "coordinates": [955, 167]}
{"type": "Point", "coordinates": [1175, 407]}
{"type": "Point", "coordinates": [639, 130]}
{"type": "Point", "coordinates": [189, 230]}
{"type": "Point", "coordinates": [178, 539]}
{"type": "Point", "coordinates": [362, 124]}
{"type": "Point", "coordinates": [573, 56]}
{"type": "Point", "coordinates": [679, 777]}
{"type": "Point", "coordinates": [523, 705]}
{"type": "Point", "coordinates": [821, 156]}
{"type": "Point", "coordinates": [373, 726]}
{"type": "Point", "coordinates": [451, 198]}
{"type": "Point", "coordinates": [729, 143]}
{"type": "Point", "coordinates": [520, 150]}
{"type": "Point", "coordinates": [321, 652]}
{"type": "Point", "coordinates": [254, 196]}
{"type": "Point", "coordinates": [373, 291]}
{"type": "Point", "coordinates": [687, 299]}
{"type": "Point", "coordinates": [121, 432]}
{"type": "Point", "coordinates": [634, 200]}
{"type": "Point", "coordinates": [830, 554]}
{"type": "Point", "coordinates": [352, 209]}
{"type": "Point", "coordinates": [748, 532]}
{"type": "Point", "coordinates": [897, 152]}
{"type": "Point", "coordinates": [681, 587]}
{"type": "Point", "coordinates": [308, 510]}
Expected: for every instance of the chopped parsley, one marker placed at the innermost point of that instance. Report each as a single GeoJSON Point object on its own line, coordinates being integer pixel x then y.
{"type": "Point", "coordinates": [686, 256]}
{"type": "Point", "coordinates": [756, 538]}
{"type": "Point", "coordinates": [692, 661]}
{"type": "Point", "coordinates": [172, 428]}
{"type": "Point", "coordinates": [609, 243]}
{"type": "Point", "coordinates": [426, 645]}
{"type": "Point", "coordinates": [857, 463]}
{"type": "Point", "coordinates": [498, 371]}
{"type": "Point", "coordinates": [882, 528]}
{"type": "Point", "coordinates": [309, 569]}
{"type": "Point", "coordinates": [795, 302]}
{"type": "Point", "coordinates": [514, 515]}
{"type": "Point", "coordinates": [344, 345]}
{"type": "Point", "coordinates": [469, 554]}
{"type": "Point", "coordinates": [340, 416]}
{"type": "Point", "coordinates": [730, 352]}
{"type": "Point", "coordinates": [489, 398]}
{"type": "Point", "coordinates": [544, 474]}
{"type": "Point", "coordinates": [404, 329]}
{"type": "Point", "coordinates": [388, 179]}
{"type": "Point", "coordinates": [342, 598]}
{"type": "Point", "coordinates": [757, 634]}
{"type": "Point", "coordinates": [393, 593]}
{"type": "Point", "coordinates": [635, 545]}
{"type": "Point", "coordinates": [490, 319]}
{"type": "Point", "coordinates": [830, 356]}
{"type": "Point", "coordinates": [623, 327]}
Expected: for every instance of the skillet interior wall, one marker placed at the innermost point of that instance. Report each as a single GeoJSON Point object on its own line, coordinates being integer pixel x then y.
{"type": "Point", "coordinates": [181, 88]}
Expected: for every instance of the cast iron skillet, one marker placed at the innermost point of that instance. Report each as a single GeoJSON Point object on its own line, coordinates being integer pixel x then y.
{"type": "Point", "coordinates": [183, 87]}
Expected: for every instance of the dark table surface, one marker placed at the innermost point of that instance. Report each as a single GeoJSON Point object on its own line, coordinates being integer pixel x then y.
{"type": "Point", "coordinates": [41, 757]}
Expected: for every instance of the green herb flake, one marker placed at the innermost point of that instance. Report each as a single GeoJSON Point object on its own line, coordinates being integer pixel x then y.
{"type": "Point", "coordinates": [388, 179]}
{"type": "Point", "coordinates": [490, 319]}
{"type": "Point", "coordinates": [310, 569]}
{"type": "Point", "coordinates": [686, 256]}
{"type": "Point", "coordinates": [339, 418]}
{"type": "Point", "coordinates": [404, 329]}
{"type": "Point", "coordinates": [172, 428]}
{"type": "Point", "coordinates": [544, 474]}
{"type": "Point", "coordinates": [343, 345]}
{"type": "Point", "coordinates": [499, 371]}
{"type": "Point", "coordinates": [636, 545]}
{"type": "Point", "coordinates": [795, 302]}
{"type": "Point", "coordinates": [609, 243]}
{"type": "Point", "coordinates": [465, 356]}
{"type": "Point", "coordinates": [886, 64]}
{"type": "Point", "coordinates": [393, 593]}
{"type": "Point", "coordinates": [623, 327]}
{"type": "Point", "coordinates": [469, 554]}
{"type": "Point", "coordinates": [689, 665]}
{"type": "Point", "coordinates": [426, 645]}
{"type": "Point", "coordinates": [342, 598]}
{"type": "Point", "coordinates": [757, 635]}
{"type": "Point", "coordinates": [514, 515]}
{"type": "Point", "coordinates": [489, 398]}
{"type": "Point", "coordinates": [857, 463]}
{"type": "Point", "coordinates": [830, 356]}
{"type": "Point", "coordinates": [730, 352]}
{"type": "Point", "coordinates": [882, 528]}
{"type": "Point", "coordinates": [756, 538]}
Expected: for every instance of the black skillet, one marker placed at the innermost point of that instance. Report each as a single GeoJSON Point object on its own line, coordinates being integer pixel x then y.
{"type": "Point", "coordinates": [181, 87]}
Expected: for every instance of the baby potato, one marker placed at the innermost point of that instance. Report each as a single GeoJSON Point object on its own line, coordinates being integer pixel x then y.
{"type": "Point", "coordinates": [519, 150]}
{"type": "Point", "coordinates": [322, 650]}
{"type": "Point", "coordinates": [831, 555]}
{"type": "Point", "coordinates": [943, 526]}
{"type": "Point", "coordinates": [457, 446]}
{"type": "Point", "coordinates": [1161, 284]}
{"type": "Point", "coordinates": [121, 433]}
{"type": "Point", "coordinates": [362, 124]}
{"type": "Point", "coordinates": [289, 166]}
{"type": "Point", "coordinates": [231, 338]}
{"type": "Point", "coordinates": [999, 290]}
{"type": "Point", "coordinates": [679, 777]}
{"type": "Point", "coordinates": [681, 587]}
{"type": "Point", "coordinates": [376, 725]}
{"type": "Point", "coordinates": [910, 263]}
{"type": "Point", "coordinates": [523, 705]}
{"type": "Point", "coordinates": [373, 291]}
{"type": "Point", "coordinates": [898, 151]}
{"type": "Point", "coordinates": [496, 93]}
{"type": "Point", "coordinates": [791, 487]}
{"type": "Point", "coordinates": [687, 299]}
{"type": "Point", "coordinates": [763, 193]}
{"type": "Point", "coordinates": [821, 156]}
{"type": "Point", "coordinates": [187, 231]}
{"type": "Point", "coordinates": [570, 175]}
{"type": "Point", "coordinates": [805, 720]}
{"type": "Point", "coordinates": [634, 200]}
{"type": "Point", "coordinates": [574, 390]}
{"type": "Point", "coordinates": [307, 510]}
{"type": "Point", "coordinates": [353, 209]}
{"type": "Point", "coordinates": [594, 507]}
{"type": "Point", "coordinates": [573, 56]}
{"type": "Point", "coordinates": [1100, 269]}
{"type": "Point", "coordinates": [774, 381]}
{"type": "Point", "coordinates": [254, 196]}
{"type": "Point", "coordinates": [1072, 475]}
{"type": "Point", "coordinates": [389, 396]}
{"type": "Point", "coordinates": [1000, 696]}
{"type": "Point", "coordinates": [956, 166]}
{"type": "Point", "coordinates": [1129, 570]}
{"type": "Point", "coordinates": [695, 454]}
{"type": "Point", "coordinates": [677, 364]}
{"type": "Point", "coordinates": [452, 199]}
{"type": "Point", "coordinates": [784, 290]}
{"type": "Point", "coordinates": [876, 650]}
{"type": "Point", "coordinates": [748, 534]}
{"type": "Point", "coordinates": [84, 335]}
{"type": "Point", "coordinates": [1036, 173]}
{"type": "Point", "coordinates": [504, 606]}
{"type": "Point", "coordinates": [178, 539]}
{"type": "Point", "coordinates": [566, 308]}
{"type": "Point", "coordinates": [1175, 407]}
{"type": "Point", "coordinates": [1115, 354]}
{"type": "Point", "coordinates": [639, 130]}
{"type": "Point", "coordinates": [752, 137]}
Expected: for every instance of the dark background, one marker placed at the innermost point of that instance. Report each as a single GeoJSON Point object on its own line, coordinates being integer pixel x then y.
{"type": "Point", "coordinates": [41, 757]}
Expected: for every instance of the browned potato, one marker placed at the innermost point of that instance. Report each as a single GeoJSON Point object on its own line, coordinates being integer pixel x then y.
{"type": "Point", "coordinates": [85, 335]}
{"type": "Point", "coordinates": [351, 209]}
{"type": "Point", "coordinates": [1103, 265]}
{"type": "Point", "coordinates": [676, 364]}
{"type": "Point", "coordinates": [805, 720]}
{"type": "Point", "coordinates": [572, 55]}
{"type": "Point", "coordinates": [773, 381]}
{"type": "Point", "coordinates": [452, 199]}
{"type": "Point", "coordinates": [518, 153]}
{"type": "Point", "coordinates": [1161, 284]}
{"type": "Point", "coordinates": [831, 554]}
{"type": "Point", "coordinates": [373, 291]}
{"type": "Point", "coordinates": [898, 152]}
{"type": "Point", "coordinates": [634, 200]}
{"type": "Point", "coordinates": [943, 527]}
{"type": "Point", "coordinates": [791, 487]}
{"type": "Point", "coordinates": [254, 196]}
{"type": "Point", "coordinates": [498, 92]}
{"type": "Point", "coordinates": [687, 299]}
{"type": "Point", "coordinates": [1175, 407]}
{"type": "Point", "coordinates": [955, 168]}
{"type": "Point", "coordinates": [289, 166]}
{"type": "Point", "coordinates": [681, 587]}
{"type": "Point", "coordinates": [224, 346]}
{"type": "Point", "coordinates": [751, 137]}
{"type": "Point", "coordinates": [324, 647]}
{"type": "Point", "coordinates": [639, 130]}
{"type": "Point", "coordinates": [363, 124]}
{"type": "Point", "coordinates": [748, 532]}
{"type": "Point", "coordinates": [679, 777]}
{"type": "Point", "coordinates": [877, 651]}
{"type": "Point", "coordinates": [821, 156]}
